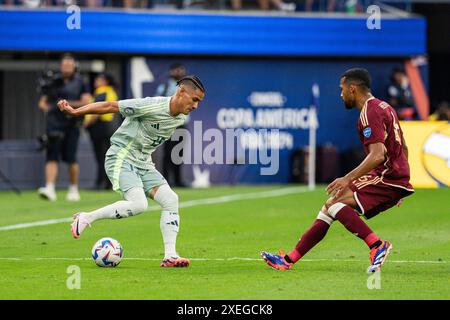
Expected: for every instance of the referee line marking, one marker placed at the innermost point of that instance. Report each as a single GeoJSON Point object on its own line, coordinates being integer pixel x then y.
{"type": "Point", "coordinates": [228, 259]}
{"type": "Point", "coordinates": [185, 204]}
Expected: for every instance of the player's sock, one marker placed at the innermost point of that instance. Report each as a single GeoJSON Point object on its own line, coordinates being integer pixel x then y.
{"type": "Point", "coordinates": [376, 244]}
{"type": "Point", "coordinates": [169, 225]}
{"type": "Point", "coordinates": [135, 202]}
{"type": "Point", "coordinates": [170, 220]}
{"type": "Point", "coordinates": [353, 223]}
{"type": "Point", "coordinates": [50, 186]}
{"type": "Point", "coordinates": [310, 238]}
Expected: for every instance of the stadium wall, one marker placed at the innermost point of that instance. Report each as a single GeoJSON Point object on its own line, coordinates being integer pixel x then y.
{"type": "Point", "coordinates": [210, 34]}
{"type": "Point", "coordinates": [237, 56]}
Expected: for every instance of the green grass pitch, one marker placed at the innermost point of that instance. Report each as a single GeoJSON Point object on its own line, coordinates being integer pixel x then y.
{"type": "Point", "coordinates": [34, 260]}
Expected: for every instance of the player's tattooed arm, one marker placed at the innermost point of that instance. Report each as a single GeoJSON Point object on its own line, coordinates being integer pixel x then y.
{"type": "Point", "coordinates": [376, 156]}
{"type": "Point", "coordinates": [91, 108]}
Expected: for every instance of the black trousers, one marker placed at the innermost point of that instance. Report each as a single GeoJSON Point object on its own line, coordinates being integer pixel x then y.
{"type": "Point", "coordinates": [100, 133]}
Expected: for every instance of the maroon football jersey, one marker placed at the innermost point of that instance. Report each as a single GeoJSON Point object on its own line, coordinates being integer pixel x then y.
{"type": "Point", "coordinates": [378, 122]}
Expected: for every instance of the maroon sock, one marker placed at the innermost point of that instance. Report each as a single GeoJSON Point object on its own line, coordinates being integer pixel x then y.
{"type": "Point", "coordinates": [309, 239]}
{"type": "Point", "coordinates": [353, 223]}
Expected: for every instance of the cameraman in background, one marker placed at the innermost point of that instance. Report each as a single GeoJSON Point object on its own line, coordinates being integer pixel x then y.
{"type": "Point", "coordinates": [62, 131]}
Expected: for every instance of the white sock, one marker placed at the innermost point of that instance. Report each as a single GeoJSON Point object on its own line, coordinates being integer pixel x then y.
{"type": "Point", "coordinates": [169, 224]}
{"type": "Point", "coordinates": [135, 202]}
{"type": "Point", "coordinates": [73, 188]}
{"type": "Point", "coordinates": [50, 186]}
{"type": "Point", "coordinates": [170, 220]}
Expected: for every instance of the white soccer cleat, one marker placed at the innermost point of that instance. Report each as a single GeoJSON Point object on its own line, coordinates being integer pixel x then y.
{"type": "Point", "coordinates": [47, 194]}
{"type": "Point", "coordinates": [80, 222]}
{"type": "Point", "coordinates": [73, 195]}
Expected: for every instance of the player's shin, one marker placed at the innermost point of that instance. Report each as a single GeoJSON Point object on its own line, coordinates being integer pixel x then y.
{"type": "Point", "coordinates": [311, 237]}
{"type": "Point", "coordinates": [169, 224]}
{"type": "Point", "coordinates": [170, 220]}
{"type": "Point", "coordinates": [353, 223]}
{"type": "Point", "coordinates": [135, 202]}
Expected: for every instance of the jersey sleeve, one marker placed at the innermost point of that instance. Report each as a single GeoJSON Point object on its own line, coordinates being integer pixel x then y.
{"type": "Point", "coordinates": [135, 108]}
{"type": "Point", "coordinates": [373, 128]}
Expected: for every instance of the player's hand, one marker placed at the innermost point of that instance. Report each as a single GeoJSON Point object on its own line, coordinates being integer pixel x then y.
{"type": "Point", "coordinates": [65, 107]}
{"type": "Point", "coordinates": [336, 188]}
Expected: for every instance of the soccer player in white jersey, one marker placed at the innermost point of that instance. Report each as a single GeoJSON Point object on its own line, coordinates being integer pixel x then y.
{"type": "Point", "coordinates": [148, 123]}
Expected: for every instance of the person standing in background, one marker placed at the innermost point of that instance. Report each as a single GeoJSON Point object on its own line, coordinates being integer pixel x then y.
{"type": "Point", "coordinates": [101, 127]}
{"type": "Point", "coordinates": [63, 131]}
{"type": "Point", "coordinates": [171, 170]}
{"type": "Point", "coordinates": [400, 95]}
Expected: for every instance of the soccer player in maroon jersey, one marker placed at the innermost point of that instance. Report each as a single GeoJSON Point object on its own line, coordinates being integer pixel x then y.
{"type": "Point", "coordinates": [377, 184]}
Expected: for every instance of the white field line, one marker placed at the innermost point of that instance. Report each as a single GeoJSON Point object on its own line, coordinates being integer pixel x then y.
{"type": "Point", "coordinates": [185, 204]}
{"type": "Point", "coordinates": [228, 259]}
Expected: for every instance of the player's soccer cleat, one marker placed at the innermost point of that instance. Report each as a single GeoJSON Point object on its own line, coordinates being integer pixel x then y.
{"type": "Point", "coordinates": [73, 195]}
{"type": "Point", "coordinates": [276, 261]}
{"type": "Point", "coordinates": [177, 262]}
{"type": "Point", "coordinates": [378, 255]}
{"type": "Point", "coordinates": [80, 222]}
{"type": "Point", "coordinates": [47, 193]}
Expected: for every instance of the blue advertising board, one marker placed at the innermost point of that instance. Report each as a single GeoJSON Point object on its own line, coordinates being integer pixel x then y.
{"type": "Point", "coordinates": [132, 32]}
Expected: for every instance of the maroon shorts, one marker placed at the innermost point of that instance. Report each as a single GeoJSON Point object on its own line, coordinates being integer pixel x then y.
{"type": "Point", "coordinates": [373, 196]}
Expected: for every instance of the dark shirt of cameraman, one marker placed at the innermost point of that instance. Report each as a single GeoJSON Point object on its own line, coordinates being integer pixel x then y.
{"type": "Point", "coordinates": [63, 131]}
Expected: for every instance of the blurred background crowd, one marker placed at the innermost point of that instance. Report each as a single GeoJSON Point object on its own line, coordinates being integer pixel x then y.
{"type": "Point", "coordinates": [281, 5]}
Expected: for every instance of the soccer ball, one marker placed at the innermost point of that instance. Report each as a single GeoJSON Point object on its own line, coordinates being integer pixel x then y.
{"type": "Point", "coordinates": [107, 252]}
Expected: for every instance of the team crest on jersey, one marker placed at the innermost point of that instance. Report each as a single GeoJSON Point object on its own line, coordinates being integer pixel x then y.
{"type": "Point", "coordinates": [367, 132]}
{"type": "Point", "coordinates": [129, 111]}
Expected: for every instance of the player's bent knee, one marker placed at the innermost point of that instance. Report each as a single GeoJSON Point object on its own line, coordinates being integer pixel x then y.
{"type": "Point", "coordinates": [335, 208]}
{"type": "Point", "coordinates": [325, 217]}
{"type": "Point", "coordinates": [137, 199]}
{"type": "Point", "coordinates": [167, 198]}
{"type": "Point", "coordinates": [141, 205]}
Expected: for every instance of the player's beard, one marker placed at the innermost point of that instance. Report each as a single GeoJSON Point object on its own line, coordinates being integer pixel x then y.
{"type": "Point", "coordinates": [349, 104]}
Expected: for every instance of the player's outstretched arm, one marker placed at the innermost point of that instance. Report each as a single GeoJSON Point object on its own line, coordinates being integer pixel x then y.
{"type": "Point", "coordinates": [91, 108]}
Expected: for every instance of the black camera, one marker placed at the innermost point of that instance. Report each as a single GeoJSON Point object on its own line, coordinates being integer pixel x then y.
{"type": "Point", "coordinates": [46, 85]}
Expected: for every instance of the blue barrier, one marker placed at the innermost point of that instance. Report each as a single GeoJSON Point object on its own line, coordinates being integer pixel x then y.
{"type": "Point", "coordinates": [210, 34]}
